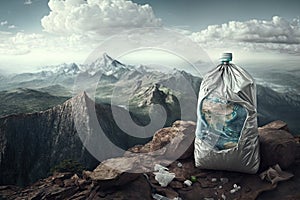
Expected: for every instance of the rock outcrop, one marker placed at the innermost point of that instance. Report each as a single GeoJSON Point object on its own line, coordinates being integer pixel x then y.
{"type": "Point", "coordinates": [118, 178]}
{"type": "Point", "coordinates": [277, 145]}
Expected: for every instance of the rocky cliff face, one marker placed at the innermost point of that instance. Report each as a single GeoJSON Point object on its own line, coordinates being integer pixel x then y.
{"type": "Point", "coordinates": [30, 144]}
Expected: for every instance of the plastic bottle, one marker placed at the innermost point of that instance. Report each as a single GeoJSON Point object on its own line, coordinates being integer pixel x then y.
{"type": "Point", "coordinates": [226, 134]}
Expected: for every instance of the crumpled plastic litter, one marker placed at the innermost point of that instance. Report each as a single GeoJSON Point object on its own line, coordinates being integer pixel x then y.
{"type": "Point", "coordinates": [160, 197]}
{"type": "Point", "coordinates": [235, 188]}
{"type": "Point", "coordinates": [179, 164]}
{"type": "Point", "coordinates": [163, 177]}
{"type": "Point", "coordinates": [275, 174]}
{"type": "Point", "coordinates": [158, 167]}
{"type": "Point", "coordinates": [188, 183]}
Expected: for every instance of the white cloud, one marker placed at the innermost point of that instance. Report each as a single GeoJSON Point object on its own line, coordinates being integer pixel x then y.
{"type": "Point", "coordinates": [3, 23]}
{"type": "Point", "coordinates": [277, 34]}
{"type": "Point", "coordinates": [277, 30]}
{"type": "Point", "coordinates": [16, 44]}
{"type": "Point", "coordinates": [6, 24]}
{"type": "Point", "coordinates": [24, 43]}
{"type": "Point", "coordinates": [74, 28]}
{"type": "Point", "coordinates": [26, 51]}
{"type": "Point", "coordinates": [97, 17]}
{"type": "Point", "coordinates": [27, 2]}
{"type": "Point", "coordinates": [21, 49]}
{"type": "Point", "coordinates": [11, 26]}
{"type": "Point", "coordinates": [4, 33]}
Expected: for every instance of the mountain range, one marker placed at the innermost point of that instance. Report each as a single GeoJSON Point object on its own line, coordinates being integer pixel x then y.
{"type": "Point", "coordinates": [37, 127]}
{"type": "Point", "coordinates": [114, 82]}
{"type": "Point", "coordinates": [125, 85]}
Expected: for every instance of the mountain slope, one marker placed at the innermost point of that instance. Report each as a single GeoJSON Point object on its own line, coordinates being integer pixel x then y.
{"type": "Point", "coordinates": [56, 90]}
{"type": "Point", "coordinates": [272, 105]}
{"type": "Point", "coordinates": [33, 143]}
{"type": "Point", "coordinates": [23, 100]}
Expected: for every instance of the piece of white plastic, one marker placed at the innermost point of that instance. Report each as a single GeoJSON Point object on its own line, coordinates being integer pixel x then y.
{"type": "Point", "coordinates": [235, 188]}
{"type": "Point", "coordinates": [223, 197]}
{"type": "Point", "coordinates": [158, 167]}
{"type": "Point", "coordinates": [179, 164]}
{"type": "Point", "coordinates": [160, 197]}
{"type": "Point", "coordinates": [232, 191]}
{"type": "Point", "coordinates": [163, 177]}
{"type": "Point", "coordinates": [188, 183]}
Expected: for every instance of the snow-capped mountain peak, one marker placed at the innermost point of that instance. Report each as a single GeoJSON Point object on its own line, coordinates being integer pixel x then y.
{"type": "Point", "coordinates": [108, 66]}
{"type": "Point", "coordinates": [69, 69]}
{"type": "Point", "coordinates": [107, 59]}
{"type": "Point", "coordinates": [62, 69]}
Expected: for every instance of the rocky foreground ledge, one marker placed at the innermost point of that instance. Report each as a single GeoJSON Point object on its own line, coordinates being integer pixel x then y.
{"type": "Point", "coordinates": [278, 146]}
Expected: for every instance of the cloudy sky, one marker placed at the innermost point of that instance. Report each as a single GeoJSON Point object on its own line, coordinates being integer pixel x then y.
{"type": "Point", "coordinates": [35, 33]}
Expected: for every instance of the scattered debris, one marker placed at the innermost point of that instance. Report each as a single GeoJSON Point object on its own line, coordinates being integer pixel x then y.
{"type": "Point", "coordinates": [188, 183]}
{"type": "Point", "coordinates": [160, 197]}
{"type": "Point", "coordinates": [232, 191]}
{"type": "Point", "coordinates": [275, 174]}
{"type": "Point", "coordinates": [214, 180]}
{"type": "Point", "coordinates": [163, 177]}
{"type": "Point", "coordinates": [223, 196]}
{"type": "Point", "coordinates": [235, 188]}
{"type": "Point", "coordinates": [179, 164]}
{"type": "Point", "coordinates": [193, 179]}
{"type": "Point", "coordinates": [158, 167]}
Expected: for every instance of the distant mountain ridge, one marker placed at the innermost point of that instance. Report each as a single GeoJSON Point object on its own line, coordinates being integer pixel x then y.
{"type": "Point", "coordinates": [131, 81]}
{"type": "Point", "coordinates": [61, 74]}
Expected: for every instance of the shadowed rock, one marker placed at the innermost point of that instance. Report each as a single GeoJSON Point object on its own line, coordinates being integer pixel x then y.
{"type": "Point", "coordinates": [277, 145]}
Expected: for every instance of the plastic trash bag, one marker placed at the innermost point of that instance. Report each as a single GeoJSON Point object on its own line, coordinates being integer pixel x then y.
{"type": "Point", "coordinates": [226, 134]}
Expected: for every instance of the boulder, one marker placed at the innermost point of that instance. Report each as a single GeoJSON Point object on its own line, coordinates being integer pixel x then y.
{"type": "Point", "coordinates": [171, 143]}
{"type": "Point", "coordinates": [278, 125]}
{"type": "Point", "coordinates": [277, 145]}
{"type": "Point", "coordinates": [114, 172]}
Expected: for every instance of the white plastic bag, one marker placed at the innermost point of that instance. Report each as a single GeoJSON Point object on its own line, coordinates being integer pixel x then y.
{"type": "Point", "coordinates": [163, 177]}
